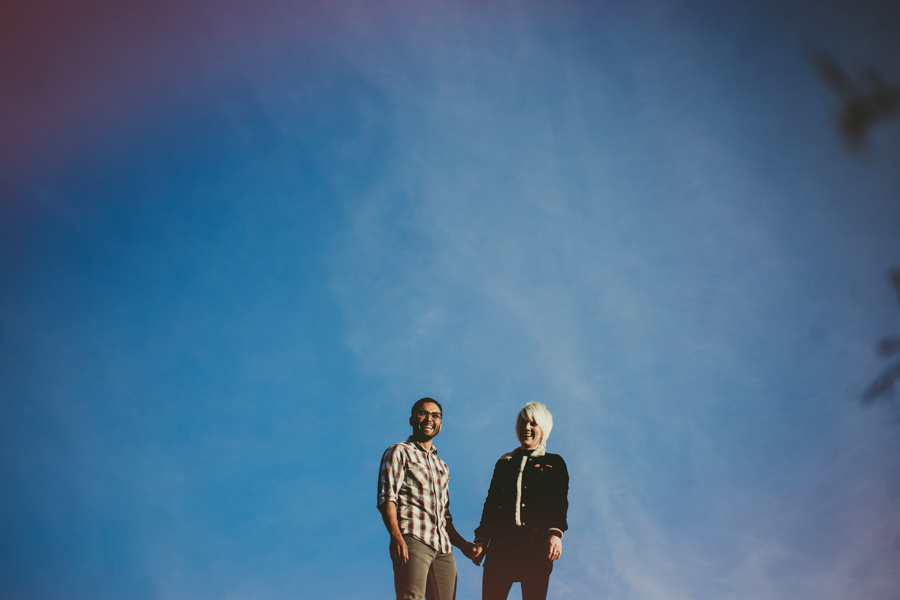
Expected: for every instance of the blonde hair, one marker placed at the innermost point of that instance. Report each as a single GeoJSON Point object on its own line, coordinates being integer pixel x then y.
{"type": "Point", "coordinates": [537, 412]}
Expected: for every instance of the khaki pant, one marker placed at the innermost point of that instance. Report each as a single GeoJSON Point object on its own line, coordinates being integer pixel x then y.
{"type": "Point", "coordinates": [427, 574]}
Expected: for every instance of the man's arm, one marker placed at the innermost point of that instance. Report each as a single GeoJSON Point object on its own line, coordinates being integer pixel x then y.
{"type": "Point", "coordinates": [392, 464]}
{"type": "Point", "coordinates": [459, 541]}
{"type": "Point", "coordinates": [398, 544]}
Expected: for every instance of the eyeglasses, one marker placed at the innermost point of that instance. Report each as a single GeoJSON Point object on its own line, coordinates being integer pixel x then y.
{"type": "Point", "coordinates": [424, 414]}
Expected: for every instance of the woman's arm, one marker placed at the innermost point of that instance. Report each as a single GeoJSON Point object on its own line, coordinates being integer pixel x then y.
{"type": "Point", "coordinates": [560, 509]}
{"type": "Point", "coordinates": [490, 514]}
{"type": "Point", "coordinates": [559, 498]}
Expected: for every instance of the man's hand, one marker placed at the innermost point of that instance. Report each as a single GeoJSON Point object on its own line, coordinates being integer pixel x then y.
{"type": "Point", "coordinates": [554, 547]}
{"type": "Point", "coordinates": [478, 553]}
{"type": "Point", "coordinates": [399, 549]}
{"type": "Point", "coordinates": [467, 548]}
{"type": "Point", "coordinates": [398, 544]}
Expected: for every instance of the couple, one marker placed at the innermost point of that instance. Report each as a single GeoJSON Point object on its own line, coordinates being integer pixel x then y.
{"type": "Point", "coordinates": [522, 523]}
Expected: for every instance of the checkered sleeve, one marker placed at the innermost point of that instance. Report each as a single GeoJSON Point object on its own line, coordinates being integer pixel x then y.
{"type": "Point", "coordinates": [390, 475]}
{"type": "Point", "coordinates": [445, 489]}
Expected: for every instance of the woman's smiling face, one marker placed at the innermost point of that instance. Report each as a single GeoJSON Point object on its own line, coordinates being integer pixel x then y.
{"type": "Point", "coordinates": [529, 433]}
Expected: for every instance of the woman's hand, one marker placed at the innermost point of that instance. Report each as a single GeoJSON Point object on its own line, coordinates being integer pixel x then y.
{"type": "Point", "coordinates": [468, 550]}
{"type": "Point", "coordinates": [478, 553]}
{"type": "Point", "coordinates": [554, 547]}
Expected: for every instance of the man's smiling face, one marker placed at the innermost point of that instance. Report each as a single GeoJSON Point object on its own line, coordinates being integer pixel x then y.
{"type": "Point", "coordinates": [425, 423]}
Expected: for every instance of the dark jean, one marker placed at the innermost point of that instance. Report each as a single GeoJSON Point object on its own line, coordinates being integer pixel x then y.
{"type": "Point", "coordinates": [427, 574]}
{"type": "Point", "coordinates": [518, 554]}
{"type": "Point", "coordinates": [498, 580]}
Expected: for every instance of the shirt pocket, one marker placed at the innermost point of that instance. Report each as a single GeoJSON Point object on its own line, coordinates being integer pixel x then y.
{"type": "Point", "coordinates": [416, 475]}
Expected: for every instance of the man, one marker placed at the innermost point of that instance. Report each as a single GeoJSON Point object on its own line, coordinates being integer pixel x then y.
{"type": "Point", "coordinates": [414, 500]}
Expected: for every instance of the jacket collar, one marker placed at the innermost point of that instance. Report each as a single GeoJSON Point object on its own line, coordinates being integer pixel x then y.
{"type": "Point", "coordinates": [539, 451]}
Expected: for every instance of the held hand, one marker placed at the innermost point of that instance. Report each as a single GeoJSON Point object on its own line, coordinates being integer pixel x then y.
{"type": "Point", "coordinates": [468, 550]}
{"type": "Point", "coordinates": [478, 553]}
{"type": "Point", "coordinates": [554, 547]}
{"type": "Point", "coordinates": [399, 549]}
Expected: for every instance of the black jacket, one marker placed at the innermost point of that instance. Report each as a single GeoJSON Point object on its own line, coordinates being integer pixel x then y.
{"type": "Point", "coordinates": [543, 501]}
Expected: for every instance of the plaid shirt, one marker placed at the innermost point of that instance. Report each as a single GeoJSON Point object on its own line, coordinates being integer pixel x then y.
{"type": "Point", "coordinates": [418, 482]}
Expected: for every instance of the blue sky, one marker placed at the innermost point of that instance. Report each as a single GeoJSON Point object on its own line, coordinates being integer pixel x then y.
{"type": "Point", "coordinates": [248, 239]}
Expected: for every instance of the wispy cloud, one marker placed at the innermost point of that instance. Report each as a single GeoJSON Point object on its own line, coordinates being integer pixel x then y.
{"type": "Point", "coordinates": [628, 276]}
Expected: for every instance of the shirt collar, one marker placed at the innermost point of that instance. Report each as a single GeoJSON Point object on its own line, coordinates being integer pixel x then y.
{"type": "Point", "coordinates": [412, 441]}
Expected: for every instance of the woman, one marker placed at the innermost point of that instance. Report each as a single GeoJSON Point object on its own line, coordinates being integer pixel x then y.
{"type": "Point", "coordinates": [524, 515]}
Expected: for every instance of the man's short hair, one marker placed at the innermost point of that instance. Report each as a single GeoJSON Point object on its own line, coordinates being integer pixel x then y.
{"type": "Point", "coordinates": [420, 402]}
